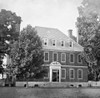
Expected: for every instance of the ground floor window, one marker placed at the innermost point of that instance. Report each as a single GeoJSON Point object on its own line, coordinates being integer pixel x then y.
{"type": "Point", "coordinates": [72, 73]}
{"type": "Point", "coordinates": [63, 73]}
{"type": "Point", "coordinates": [80, 73]}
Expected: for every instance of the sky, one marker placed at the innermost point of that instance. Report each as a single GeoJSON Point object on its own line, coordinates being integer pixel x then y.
{"type": "Point", "coordinates": [61, 14]}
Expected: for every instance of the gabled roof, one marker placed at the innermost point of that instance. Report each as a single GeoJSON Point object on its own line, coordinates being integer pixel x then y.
{"type": "Point", "coordinates": [53, 33]}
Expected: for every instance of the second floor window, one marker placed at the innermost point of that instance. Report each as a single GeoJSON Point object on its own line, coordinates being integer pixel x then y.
{"type": "Point", "coordinates": [79, 59]}
{"type": "Point", "coordinates": [45, 41]}
{"type": "Point", "coordinates": [63, 57]}
{"type": "Point", "coordinates": [55, 57]}
{"type": "Point", "coordinates": [46, 56]}
{"type": "Point", "coordinates": [71, 58]}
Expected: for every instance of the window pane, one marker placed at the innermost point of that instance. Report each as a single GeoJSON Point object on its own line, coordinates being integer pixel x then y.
{"type": "Point", "coordinates": [45, 41]}
{"type": "Point", "coordinates": [55, 57]}
{"type": "Point", "coordinates": [53, 42]}
{"type": "Point", "coordinates": [62, 43]}
{"type": "Point", "coordinates": [63, 73]}
{"type": "Point", "coordinates": [71, 58]}
{"type": "Point", "coordinates": [79, 58]}
{"type": "Point", "coordinates": [63, 58]}
{"type": "Point", "coordinates": [71, 73]}
{"type": "Point", "coordinates": [79, 73]}
{"type": "Point", "coordinates": [46, 57]}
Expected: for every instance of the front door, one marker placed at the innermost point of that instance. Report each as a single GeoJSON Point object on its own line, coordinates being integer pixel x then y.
{"type": "Point", "coordinates": [55, 75]}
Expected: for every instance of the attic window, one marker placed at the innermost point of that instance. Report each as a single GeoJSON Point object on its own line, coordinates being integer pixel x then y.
{"type": "Point", "coordinates": [62, 43]}
{"type": "Point", "coordinates": [71, 44]}
{"type": "Point", "coordinates": [53, 42]}
{"type": "Point", "coordinates": [45, 41]}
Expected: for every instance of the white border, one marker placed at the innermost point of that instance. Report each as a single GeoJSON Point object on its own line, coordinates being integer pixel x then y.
{"type": "Point", "coordinates": [44, 57]}
{"type": "Point", "coordinates": [78, 74]}
{"type": "Point", "coordinates": [61, 57]}
{"type": "Point", "coordinates": [61, 43]}
{"type": "Point", "coordinates": [73, 73]}
{"type": "Point", "coordinates": [64, 73]}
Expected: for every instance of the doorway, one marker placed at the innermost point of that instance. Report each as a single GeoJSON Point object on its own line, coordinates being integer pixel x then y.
{"type": "Point", "coordinates": [55, 75]}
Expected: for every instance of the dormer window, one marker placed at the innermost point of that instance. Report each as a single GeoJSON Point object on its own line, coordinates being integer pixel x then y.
{"type": "Point", "coordinates": [53, 42]}
{"type": "Point", "coordinates": [45, 41]}
{"type": "Point", "coordinates": [62, 43]}
{"type": "Point", "coordinates": [71, 44]}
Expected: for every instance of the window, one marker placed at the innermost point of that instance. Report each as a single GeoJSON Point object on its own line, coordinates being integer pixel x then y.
{"type": "Point", "coordinates": [72, 73]}
{"type": "Point", "coordinates": [55, 57]}
{"type": "Point", "coordinates": [62, 43]}
{"type": "Point", "coordinates": [63, 57]}
{"type": "Point", "coordinates": [79, 73]}
{"type": "Point", "coordinates": [46, 56]}
{"type": "Point", "coordinates": [45, 41]}
{"type": "Point", "coordinates": [79, 59]}
{"type": "Point", "coordinates": [63, 73]}
{"type": "Point", "coordinates": [53, 42]}
{"type": "Point", "coordinates": [71, 58]}
{"type": "Point", "coordinates": [71, 44]}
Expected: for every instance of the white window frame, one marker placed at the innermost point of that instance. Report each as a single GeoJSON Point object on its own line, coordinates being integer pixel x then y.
{"type": "Point", "coordinates": [53, 55]}
{"type": "Point", "coordinates": [64, 74]}
{"type": "Point", "coordinates": [45, 40]}
{"type": "Point", "coordinates": [44, 57]}
{"type": "Point", "coordinates": [61, 57]}
{"type": "Point", "coordinates": [70, 57]}
{"type": "Point", "coordinates": [78, 74]}
{"type": "Point", "coordinates": [63, 43]}
{"type": "Point", "coordinates": [70, 73]}
{"type": "Point", "coordinates": [78, 59]}
{"type": "Point", "coordinates": [52, 42]}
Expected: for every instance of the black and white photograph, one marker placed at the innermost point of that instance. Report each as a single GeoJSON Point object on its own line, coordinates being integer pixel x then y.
{"type": "Point", "coordinates": [49, 48]}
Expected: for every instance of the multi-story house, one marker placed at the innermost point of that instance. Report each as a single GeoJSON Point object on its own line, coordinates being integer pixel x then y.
{"type": "Point", "coordinates": [62, 56]}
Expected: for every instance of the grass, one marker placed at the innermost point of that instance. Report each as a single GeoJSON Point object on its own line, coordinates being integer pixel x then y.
{"type": "Point", "coordinates": [18, 92]}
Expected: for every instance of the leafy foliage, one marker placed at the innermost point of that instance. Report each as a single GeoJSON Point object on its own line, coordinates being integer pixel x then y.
{"type": "Point", "coordinates": [27, 54]}
{"type": "Point", "coordinates": [88, 24]}
{"type": "Point", "coordinates": [9, 30]}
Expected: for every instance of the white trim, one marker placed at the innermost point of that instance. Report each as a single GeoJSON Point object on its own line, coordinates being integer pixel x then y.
{"type": "Point", "coordinates": [78, 59]}
{"type": "Point", "coordinates": [61, 57]}
{"type": "Point", "coordinates": [53, 55]}
{"type": "Point", "coordinates": [64, 73]}
{"type": "Point", "coordinates": [74, 66]}
{"type": "Point", "coordinates": [78, 74]}
{"type": "Point", "coordinates": [73, 73]}
{"type": "Point", "coordinates": [70, 57]}
{"type": "Point", "coordinates": [44, 57]}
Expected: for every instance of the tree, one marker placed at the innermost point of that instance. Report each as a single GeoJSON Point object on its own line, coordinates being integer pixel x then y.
{"type": "Point", "coordinates": [9, 31]}
{"type": "Point", "coordinates": [88, 24]}
{"type": "Point", "coordinates": [27, 54]}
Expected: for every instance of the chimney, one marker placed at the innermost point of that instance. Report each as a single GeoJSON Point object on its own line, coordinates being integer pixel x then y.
{"type": "Point", "coordinates": [70, 33]}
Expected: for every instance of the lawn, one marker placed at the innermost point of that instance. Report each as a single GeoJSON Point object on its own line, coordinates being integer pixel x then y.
{"type": "Point", "coordinates": [8, 92]}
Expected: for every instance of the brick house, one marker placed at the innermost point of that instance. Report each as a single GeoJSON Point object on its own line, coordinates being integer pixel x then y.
{"type": "Point", "coordinates": [62, 57]}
